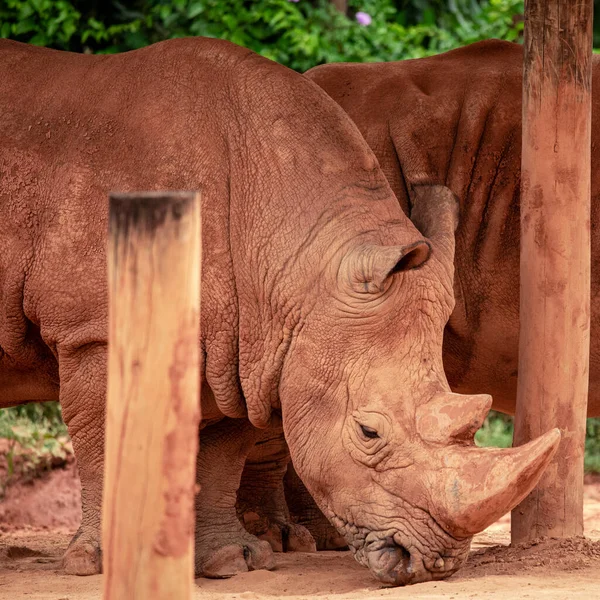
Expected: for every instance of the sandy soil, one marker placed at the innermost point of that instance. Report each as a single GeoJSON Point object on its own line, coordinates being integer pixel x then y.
{"type": "Point", "coordinates": [37, 519]}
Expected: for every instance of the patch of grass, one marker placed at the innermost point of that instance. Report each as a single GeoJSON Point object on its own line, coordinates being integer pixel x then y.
{"type": "Point", "coordinates": [34, 438]}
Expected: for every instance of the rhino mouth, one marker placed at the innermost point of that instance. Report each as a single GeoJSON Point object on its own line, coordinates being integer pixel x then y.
{"type": "Point", "coordinates": [394, 559]}
{"type": "Point", "coordinates": [390, 562]}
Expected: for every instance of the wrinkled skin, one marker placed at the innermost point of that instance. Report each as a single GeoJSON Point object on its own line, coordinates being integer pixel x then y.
{"type": "Point", "coordinates": [321, 300]}
{"type": "Point", "coordinates": [455, 120]}
{"type": "Point", "coordinates": [305, 512]}
{"type": "Point", "coordinates": [261, 503]}
{"type": "Point", "coordinates": [274, 504]}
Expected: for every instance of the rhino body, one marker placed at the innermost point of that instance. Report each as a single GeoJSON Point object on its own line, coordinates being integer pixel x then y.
{"type": "Point", "coordinates": [321, 301]}
{"type": "Point", "coordinates": [455, 120]}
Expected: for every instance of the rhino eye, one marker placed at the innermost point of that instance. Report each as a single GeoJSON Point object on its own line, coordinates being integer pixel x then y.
{"type": "Point", "coordinates": [368, 432]}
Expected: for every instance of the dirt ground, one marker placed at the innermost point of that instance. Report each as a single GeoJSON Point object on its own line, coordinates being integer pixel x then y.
{"type": "Point", "coordinates": [37, 518]}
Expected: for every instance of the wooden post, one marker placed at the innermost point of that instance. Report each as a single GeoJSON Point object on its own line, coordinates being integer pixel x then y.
{"type": "Point", "coordinates": [153, 406]}
{"type": "Point", "coordinates": [555, 259]}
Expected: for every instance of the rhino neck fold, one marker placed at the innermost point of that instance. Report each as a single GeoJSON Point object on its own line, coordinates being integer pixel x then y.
{"type": "Point", "coordinates": [304, 188]}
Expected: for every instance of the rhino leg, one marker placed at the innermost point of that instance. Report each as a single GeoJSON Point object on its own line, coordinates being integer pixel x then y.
{"type": "Point", "coordinates": [83, 407]}
{"type": "Point", "coordinates": [223, 547]}
{"type": "Point", "coordinates": [306, 513]}
{"type": "Point", "coordinates": [261, 501]}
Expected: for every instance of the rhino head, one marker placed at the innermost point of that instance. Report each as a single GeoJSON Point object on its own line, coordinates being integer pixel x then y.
{"type": "Point", "coordinates": [380, 441]}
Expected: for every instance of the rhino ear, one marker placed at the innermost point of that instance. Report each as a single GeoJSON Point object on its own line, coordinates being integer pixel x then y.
{"type": "Point", "coordinates": [368, 269]}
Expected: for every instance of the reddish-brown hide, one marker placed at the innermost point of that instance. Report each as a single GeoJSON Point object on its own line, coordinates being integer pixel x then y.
{"type": "Point", "coordinates": [313, 302]}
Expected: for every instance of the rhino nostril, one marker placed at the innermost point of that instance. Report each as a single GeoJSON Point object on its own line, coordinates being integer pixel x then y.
{"type": "Point", "coordinates": [402, 554]}
{"type": "Point", "coordinates": [404, 558]}
{"type": "Point", "coordinates": [390, 563]}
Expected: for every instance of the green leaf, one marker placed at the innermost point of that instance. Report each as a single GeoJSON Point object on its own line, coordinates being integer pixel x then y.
{"type": "Point", "coordinates": [26, 26]}
{"type": "Point", "coordinates": [95, 24]}
{"type": "Point", "coordinates": [69, 29]}
{"type": "Point", "coordinates": [194, 9]}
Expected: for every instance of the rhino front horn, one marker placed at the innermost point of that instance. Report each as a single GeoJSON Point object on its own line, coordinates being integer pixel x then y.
{"type": "Point", "coordinates": [479, 485]}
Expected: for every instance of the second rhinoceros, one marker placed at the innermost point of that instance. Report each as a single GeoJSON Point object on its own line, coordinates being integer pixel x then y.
{"type": "Point", "coordinates": [321, 302]}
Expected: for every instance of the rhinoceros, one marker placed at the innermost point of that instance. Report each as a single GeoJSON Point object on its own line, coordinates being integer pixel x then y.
{"type": "Point", "coordinates": [322, 303]}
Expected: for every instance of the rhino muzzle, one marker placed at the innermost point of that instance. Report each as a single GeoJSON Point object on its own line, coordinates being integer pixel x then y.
{"type": "Point", "coordinates": [393, 563]}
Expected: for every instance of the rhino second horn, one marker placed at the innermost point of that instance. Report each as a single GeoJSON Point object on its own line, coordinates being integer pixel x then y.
{"type": "Point", "coordinates": [449, 417]}
{"type": "Point", "coordinates": [479, 485]}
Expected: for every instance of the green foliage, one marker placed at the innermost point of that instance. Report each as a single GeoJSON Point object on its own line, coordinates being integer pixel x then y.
{"type": "Point", "coordinates": [592, 446]}
{"type": "Point", "coordinates": [298, 34]}
{"type": "Point", "coordinates": [497, 431]}
{"type": "Point", "coordinates": [55, 23]}
{"type": "Point", "coordinates": [47, 413]}
{"type": "Point", "coordinates": [35, 437]}
{"type": "Point", "coordinates": [304, 34]}
{"type": "Point", "coordinates": [42, 22]}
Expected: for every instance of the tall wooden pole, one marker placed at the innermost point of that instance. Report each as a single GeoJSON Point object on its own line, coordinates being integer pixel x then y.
{"type": "Point", "coordinates": [555, 258]}
{"type": "Point", "coordinates": [153, 406]}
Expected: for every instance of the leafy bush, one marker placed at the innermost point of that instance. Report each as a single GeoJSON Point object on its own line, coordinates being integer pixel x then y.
{"type": "Point", "coordinates": [497, 431]}
{"type": "Point", "coordinates": [592, 446]}
{"type": "Point", "coordinates": [303, 34]}
{"type": "Point", "coordinates": [56, 23]}
{"type": "Point", "coordinates": [299, 34]}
